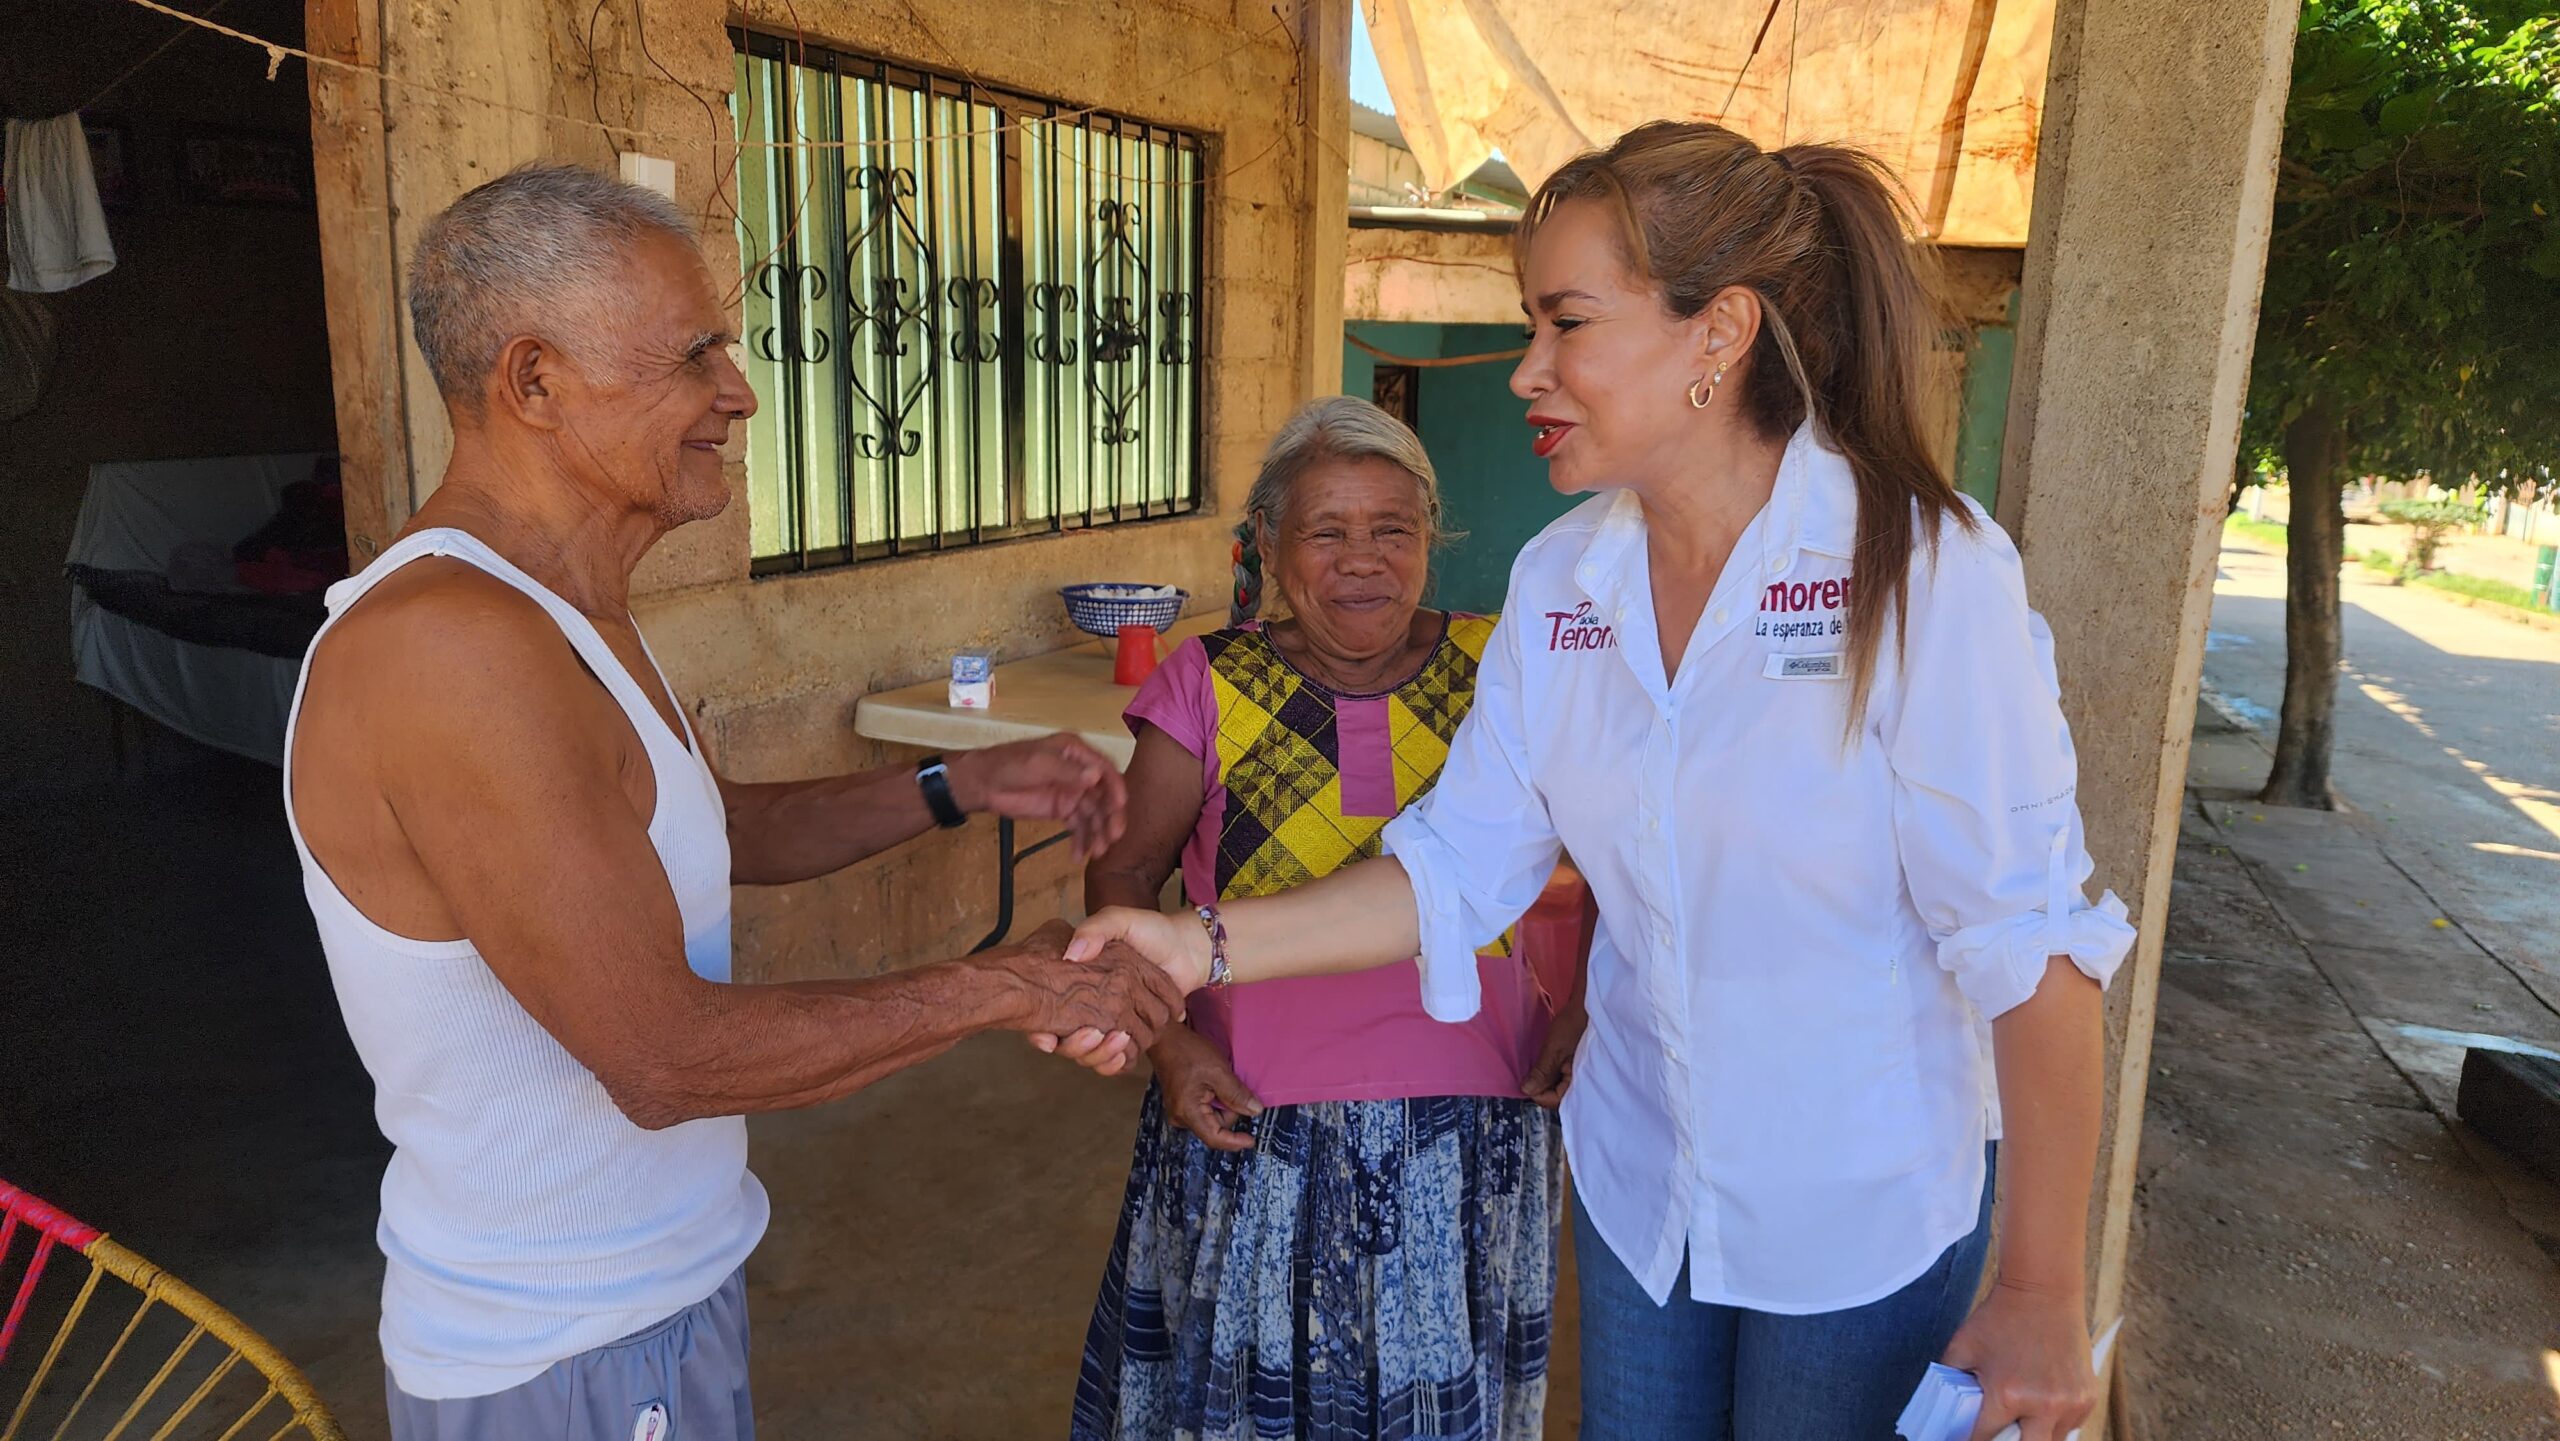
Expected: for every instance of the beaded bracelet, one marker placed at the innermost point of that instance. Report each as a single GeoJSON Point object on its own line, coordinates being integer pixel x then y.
{"type": "Point", "coordinates": [1219, 974]}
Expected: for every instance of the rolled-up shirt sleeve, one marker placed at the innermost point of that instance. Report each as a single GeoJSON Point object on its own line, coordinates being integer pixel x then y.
{"type": "Point", "coordinates": [1479, 846]}
{"type": "Point", "coordinates": [1985, 812]}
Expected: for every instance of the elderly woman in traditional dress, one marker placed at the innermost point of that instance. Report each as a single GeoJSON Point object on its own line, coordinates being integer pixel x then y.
{"type": "Point", "coordinates": [1342, 1215]}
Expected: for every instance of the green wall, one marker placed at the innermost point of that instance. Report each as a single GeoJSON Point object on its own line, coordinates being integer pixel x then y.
{"type": "Point", "coordinates": [1475, 430]}
{"type": "Point", "coordinates": [1990, 358]}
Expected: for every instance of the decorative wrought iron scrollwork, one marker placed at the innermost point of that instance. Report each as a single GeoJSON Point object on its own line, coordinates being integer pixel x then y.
{"type": "Point", "coordinates": [1176, 348]}
{"type": "Point", "coordinates": [806, 284]}
{"type": "Point", "coordinates": [808, 348]}
{"type": "Point", "coordinates": [1115, 336]}
{"type": "Point", "coordinates": [896, 305]}
{"type": "Point", "coordinates": [1054, 343]}
{"type": "Point", "coordinates": [1120, 286]}
{"type": "Point", "coordinates": [773, 277]}
{"type": "Point", "coordinates": [973, 298]}
{"type": "Point", "coordinates": [920, 324]}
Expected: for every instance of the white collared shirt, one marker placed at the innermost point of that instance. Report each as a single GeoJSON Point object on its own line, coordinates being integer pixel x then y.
{"type": "Point", "coordinates": [1802, 938]}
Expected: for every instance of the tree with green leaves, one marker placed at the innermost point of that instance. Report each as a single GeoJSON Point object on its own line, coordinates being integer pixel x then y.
{"type": "Point", "coordinates": [2411, 319]}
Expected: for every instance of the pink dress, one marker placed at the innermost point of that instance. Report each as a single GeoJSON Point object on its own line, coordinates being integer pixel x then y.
{"type": "Point", "coordinates": [1298, 780]}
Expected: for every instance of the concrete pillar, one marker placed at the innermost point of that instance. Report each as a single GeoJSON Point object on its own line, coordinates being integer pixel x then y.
{"type": "Point", "coordinates": [387, 159]}
{"type": "Point", "coordinates": [353, 188]}
{"type": "Point", "coordinates": [499, 49]}
{"type": "Point", "coordinates": [2155, 181]}
{"type": "Point", "coordinates": [1324, 114]}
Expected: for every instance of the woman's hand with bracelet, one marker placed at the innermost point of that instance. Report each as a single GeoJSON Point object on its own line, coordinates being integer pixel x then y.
{"type": "Point", "coordinates": [1179, 943]}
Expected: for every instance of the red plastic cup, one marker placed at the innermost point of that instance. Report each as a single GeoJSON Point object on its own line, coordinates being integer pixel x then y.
{"type": "Point", "coordinates": [1137, 658]}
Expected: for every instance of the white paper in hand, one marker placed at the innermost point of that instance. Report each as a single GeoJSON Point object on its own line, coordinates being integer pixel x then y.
{"type": "Point", "coordinates": [1949, 1402]}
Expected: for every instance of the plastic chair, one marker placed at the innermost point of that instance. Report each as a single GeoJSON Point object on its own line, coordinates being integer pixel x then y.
{"type": "Point", "coordinates": [196, 1385]}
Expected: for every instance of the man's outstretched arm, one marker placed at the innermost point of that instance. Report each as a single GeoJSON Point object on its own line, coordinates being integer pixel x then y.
{"type": "Point", "coordinates": [785, 831]}
{"type": "Point", "coordinates": [511, 799]}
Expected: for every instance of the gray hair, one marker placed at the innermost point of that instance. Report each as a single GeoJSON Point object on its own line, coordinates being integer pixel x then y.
{"type": "Point", "coordinates": [515, 253]}
{"type": "Point", "coordinates": [1340, 427]}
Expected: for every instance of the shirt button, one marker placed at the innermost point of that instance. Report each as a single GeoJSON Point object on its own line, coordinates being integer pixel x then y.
{"type": "Point", "coordinates": [1719, 615]}
{"type": "Point", "coordinates": [1777, 563]}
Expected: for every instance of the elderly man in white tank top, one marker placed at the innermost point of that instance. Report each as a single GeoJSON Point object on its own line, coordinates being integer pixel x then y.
{"type": "Point", "coordinates": [520, 860]}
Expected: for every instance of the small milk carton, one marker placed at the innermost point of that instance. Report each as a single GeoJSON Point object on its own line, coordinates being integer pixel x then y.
{"type": "Point", "coordinates": [973, 679]}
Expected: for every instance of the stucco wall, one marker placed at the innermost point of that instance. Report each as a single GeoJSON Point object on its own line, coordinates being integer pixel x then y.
{"type": "Point", "coordinates": [772, 668]}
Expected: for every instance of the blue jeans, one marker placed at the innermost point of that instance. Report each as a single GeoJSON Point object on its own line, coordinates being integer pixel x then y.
{"type": "Point", "coordinates": [1688, 1371]}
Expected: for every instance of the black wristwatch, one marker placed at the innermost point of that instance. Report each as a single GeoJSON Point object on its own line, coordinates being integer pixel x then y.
{"type": "Point", "coordinates": [933, 777]}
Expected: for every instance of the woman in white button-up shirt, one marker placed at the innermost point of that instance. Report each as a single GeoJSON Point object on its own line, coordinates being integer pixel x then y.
{"type": "Point", "coordinates": [1826, 808]}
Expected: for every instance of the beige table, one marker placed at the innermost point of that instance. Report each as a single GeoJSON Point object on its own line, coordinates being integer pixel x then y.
{"type": "Point", "coordinates": [1066, 690]}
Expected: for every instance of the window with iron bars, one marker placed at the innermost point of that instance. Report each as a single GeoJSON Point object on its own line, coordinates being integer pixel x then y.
{"type": "Point", "coordinates": [970, 314]}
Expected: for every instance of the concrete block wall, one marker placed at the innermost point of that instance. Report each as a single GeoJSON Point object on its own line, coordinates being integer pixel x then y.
{"type": "Point", "coordinates": [771, 668]}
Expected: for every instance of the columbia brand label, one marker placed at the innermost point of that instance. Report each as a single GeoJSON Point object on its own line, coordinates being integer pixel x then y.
{"type": "Point", "coordinates": [1803, 667]}
{"type": "Point", "coordinates": [652, 1425]}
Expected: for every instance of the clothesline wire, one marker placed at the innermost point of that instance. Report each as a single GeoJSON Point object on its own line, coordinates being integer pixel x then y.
{"type": "Point", "coordinates": [277, 52]}
{"type": "Point", "coordinates": [1757, 41]}
{"type": "Point", "coordinates": [144, 63]}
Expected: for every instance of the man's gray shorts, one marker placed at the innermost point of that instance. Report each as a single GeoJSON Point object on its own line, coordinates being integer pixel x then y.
{"type": "Point", "coordinates": [689, 1372]}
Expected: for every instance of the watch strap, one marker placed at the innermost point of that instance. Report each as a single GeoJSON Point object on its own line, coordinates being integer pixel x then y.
{"type": "Point", "coordinates": [933, 777]}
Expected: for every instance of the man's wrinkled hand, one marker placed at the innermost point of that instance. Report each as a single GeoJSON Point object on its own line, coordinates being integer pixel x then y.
{"type": "Point", "coordinates": [1100, 1013]}
{"type": "Point", "coordinates": [1054, 778]}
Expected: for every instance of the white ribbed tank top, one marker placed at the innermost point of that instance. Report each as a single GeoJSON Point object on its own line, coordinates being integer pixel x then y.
{"type": "Point", "coordinates": [524, 1218]}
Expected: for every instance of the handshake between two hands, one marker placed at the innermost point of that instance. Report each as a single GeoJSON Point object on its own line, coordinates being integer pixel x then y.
{"type": "Point", "coordinates": [1100, 994]}
{"type": "Point", "coordinates": [1107, 990]}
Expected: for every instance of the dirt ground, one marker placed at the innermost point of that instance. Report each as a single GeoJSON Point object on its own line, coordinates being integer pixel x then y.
{"type": "Point", "coordinates": [2322, 1249]}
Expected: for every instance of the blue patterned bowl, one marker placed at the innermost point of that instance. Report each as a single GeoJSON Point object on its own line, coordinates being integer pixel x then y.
{"type": "Point", "coordinates": [1096, 611]}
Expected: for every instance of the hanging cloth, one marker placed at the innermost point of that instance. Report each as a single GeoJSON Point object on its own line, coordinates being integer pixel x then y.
{"type": "Point", "coordinates": [57, 232]}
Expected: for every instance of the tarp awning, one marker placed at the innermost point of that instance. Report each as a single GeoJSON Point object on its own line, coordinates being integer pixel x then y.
{"type": "Point", "coordinates": [1949, 92]}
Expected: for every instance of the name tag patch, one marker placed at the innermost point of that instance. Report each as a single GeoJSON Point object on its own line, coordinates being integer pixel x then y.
{"type": "Point", "coordinates": [1804, 667]}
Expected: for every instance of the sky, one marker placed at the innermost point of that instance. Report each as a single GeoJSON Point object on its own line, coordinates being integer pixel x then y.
{"type": "Point", "coordinates": [1368, 82]}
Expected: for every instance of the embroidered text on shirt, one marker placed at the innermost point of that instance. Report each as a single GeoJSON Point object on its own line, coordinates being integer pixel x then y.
{"type": "Point", "coordinates": [1579, 629]}
{"type": "Point", "coordinates": [1784, 601]}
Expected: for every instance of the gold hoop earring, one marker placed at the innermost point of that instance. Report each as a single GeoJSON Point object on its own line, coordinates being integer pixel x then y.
{"type": "Point", "coordinates": [1701, 402]}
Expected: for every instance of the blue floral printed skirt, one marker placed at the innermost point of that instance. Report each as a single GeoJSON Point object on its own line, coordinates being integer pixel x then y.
{"type": "Point", "coordinates": [1369, 1271]}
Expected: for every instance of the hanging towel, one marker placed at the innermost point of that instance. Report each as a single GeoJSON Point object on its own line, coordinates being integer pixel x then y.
{"type": "Point", "coordinates": [57, 233]}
